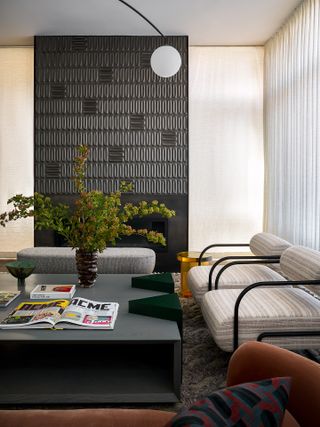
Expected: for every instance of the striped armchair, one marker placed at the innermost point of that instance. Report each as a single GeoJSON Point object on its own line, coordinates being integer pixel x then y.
{"type": "Point", "coordinates": [242, 270]}
{"type": "Point", "coordinates": [279, 312]}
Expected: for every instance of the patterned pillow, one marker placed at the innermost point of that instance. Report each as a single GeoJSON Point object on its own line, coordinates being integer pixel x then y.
{"type": "Point", "coordinates": [260, 404]}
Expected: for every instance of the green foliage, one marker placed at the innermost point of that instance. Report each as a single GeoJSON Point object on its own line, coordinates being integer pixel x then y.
{"type": "Point", "coordinates": [95, 220]}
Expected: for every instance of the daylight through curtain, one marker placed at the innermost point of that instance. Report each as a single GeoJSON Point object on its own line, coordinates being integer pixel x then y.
{"type": "Point", "coordinates": [292, 128]}
{"type": "Point", "coordinates": [16, 140]}
{"type": "Point", "coordinates": [226, 144]}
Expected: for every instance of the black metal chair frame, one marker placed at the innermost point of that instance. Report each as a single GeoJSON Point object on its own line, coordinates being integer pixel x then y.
{"type": "Point", "coordinates": [255, 259]}
{"type": "Point", "coordinates": [268, 334]}
{"type": "Point", "coordinates": [218, 245]}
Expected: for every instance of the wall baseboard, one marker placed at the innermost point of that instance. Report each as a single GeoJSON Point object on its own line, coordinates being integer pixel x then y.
{"type": "Point", "coordinates": [8, 255]}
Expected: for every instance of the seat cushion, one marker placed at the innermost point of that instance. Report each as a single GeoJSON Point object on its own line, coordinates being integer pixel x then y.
{"type": "Point", "coordinates": [262, 310]}
{"type": "Point", "coordinates": [234, 277]}
{"type": "Point", "coordinates": [289, 420]}
{"type": "Point", "coordinates": [53, 260]}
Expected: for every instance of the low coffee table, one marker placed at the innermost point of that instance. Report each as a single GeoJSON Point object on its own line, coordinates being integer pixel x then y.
{"type": "Point", "coordinates": [139, 361]}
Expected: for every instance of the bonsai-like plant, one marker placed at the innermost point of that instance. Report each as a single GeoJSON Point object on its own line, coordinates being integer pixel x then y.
{"type": "Point", "coordinates": [95, 221]}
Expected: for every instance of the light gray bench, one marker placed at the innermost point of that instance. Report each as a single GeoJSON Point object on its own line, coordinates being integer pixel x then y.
{"type": "Point", "coordinates": [53, 260]}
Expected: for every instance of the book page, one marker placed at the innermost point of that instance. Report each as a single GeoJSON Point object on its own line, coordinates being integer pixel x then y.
{"type": "Point", "coordinates": [90, 314]}
{"type": "Point", "coordinates": [28, 314]}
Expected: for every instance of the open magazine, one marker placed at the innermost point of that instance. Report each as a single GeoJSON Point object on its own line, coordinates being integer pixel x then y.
{"type": "Point", "coordinates": [77, 313]}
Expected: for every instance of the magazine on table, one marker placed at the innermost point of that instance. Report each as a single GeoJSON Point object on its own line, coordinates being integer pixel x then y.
{"type": "Point", "coordinates": [7, 297]}
{"type": "Point", "coordinates": [79, 313]}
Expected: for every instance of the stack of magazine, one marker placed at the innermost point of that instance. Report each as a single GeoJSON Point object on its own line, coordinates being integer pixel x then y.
{"type": "Point", "coordinates": [7, 297]}
{"type": "Point", "coordinates": [63, 314]}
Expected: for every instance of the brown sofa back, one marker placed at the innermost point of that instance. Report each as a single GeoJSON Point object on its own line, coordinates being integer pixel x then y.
{"type": "Point", "coordinates": [84, 418]}
{"type": "Point", "coordinates": [254, 361]}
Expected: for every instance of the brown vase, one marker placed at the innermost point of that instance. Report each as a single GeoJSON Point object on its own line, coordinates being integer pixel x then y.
{"type": "Point", "coordinates": [87, 267]}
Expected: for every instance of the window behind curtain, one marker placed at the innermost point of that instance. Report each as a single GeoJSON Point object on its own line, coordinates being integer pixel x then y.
{"type": "Point", "coordinates": [16, 141]}
{"type": "Point", "coordinates": [226, 144]}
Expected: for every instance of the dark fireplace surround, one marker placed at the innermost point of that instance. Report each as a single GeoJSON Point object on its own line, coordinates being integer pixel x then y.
{"type": "Point", "coordinates": [101, 91]}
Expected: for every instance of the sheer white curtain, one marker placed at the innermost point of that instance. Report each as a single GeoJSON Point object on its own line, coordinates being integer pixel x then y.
{"type": "Point", "coordinates": [16, 141]}
{"type": "Point", "coordinates": [292, 128]}
{"type": "Point", "coordinates": [226, 144]}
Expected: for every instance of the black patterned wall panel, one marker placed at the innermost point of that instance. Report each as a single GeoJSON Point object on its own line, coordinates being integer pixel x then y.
{"type": "Point", "coordinates": [102, 92]}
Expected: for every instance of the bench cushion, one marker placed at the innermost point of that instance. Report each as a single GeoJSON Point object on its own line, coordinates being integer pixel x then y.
{"type": "Point", "coordinates": [53, 260]}
{"type": "Point", "coordinates": [262, 310]}
{"type": "Point", "coordinates": [235, 277]}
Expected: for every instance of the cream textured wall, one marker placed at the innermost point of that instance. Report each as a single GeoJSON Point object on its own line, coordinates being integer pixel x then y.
{"type": "Point", "coordinates": [226, 144]}
{"type": "Point", "coordinates": [292, 130]}
{"type": "Point", "coordinates": [16, 140]}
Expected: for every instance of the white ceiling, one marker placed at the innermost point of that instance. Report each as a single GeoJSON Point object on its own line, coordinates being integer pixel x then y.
{"type": "Point", "coordinates": [207, 22]}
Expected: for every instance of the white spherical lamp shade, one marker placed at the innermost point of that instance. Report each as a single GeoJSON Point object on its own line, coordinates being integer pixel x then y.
{"type": "Point", "coordinates": [165, 61]}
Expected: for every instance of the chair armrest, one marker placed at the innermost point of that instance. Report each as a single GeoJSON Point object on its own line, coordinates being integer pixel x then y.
{"type": "Point", "coordinates": [220, 245]}
{"type": "Point", "coordinates": [240, 257]}
{"type": "Point", "coordinates": [265, 260]}
{"type": "Point", "coordinates": [255, 361]}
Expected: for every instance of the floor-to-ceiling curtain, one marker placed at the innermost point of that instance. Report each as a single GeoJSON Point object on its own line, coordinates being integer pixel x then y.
{"type": "Point", "coordinates": [292, 128]}
{"type": "Point", "coordinates": [226, 144]}
{"type": "Point", "coordinates": [16, 140]}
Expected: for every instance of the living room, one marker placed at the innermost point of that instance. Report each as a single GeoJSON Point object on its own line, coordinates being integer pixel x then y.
{"type": "Point", "coordinates": [159, 212]}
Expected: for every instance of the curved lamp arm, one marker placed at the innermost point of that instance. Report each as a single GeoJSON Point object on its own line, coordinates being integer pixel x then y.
{"type": "Point", "coordinates": [142, 16]}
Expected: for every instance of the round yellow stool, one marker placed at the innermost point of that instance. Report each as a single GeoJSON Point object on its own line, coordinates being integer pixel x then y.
{"type": "Point", "coordinates": [188, 260]}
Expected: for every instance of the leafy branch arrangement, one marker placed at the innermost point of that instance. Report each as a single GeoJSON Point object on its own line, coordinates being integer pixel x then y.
{"type": "Point", "coordinates": [95, 220]}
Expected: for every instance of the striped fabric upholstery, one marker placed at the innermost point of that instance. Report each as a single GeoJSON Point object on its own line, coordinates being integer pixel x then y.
{"type": "Point", "coordinates": [55, 260]}
{"type": "Point", "coordinates": [300, 263]}
{"type": "Point", "coordinates": [235, 277]}
{"type": "Point", "coordinates": [268, 244]}
{"type": "Point", "coordinates": [262, 310]}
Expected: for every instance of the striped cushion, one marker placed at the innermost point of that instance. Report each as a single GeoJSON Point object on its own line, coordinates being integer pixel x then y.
{"type": "Point", "coordinates": [55, 260]}
{"type": "Point", "coordinates": [262, 310]}
{"type": "Point", "coordinates": [268, 244]}
{"type": "Point", "coordinates": [300, 263]}
{"type": "Point", "coordinates": [235, 277]}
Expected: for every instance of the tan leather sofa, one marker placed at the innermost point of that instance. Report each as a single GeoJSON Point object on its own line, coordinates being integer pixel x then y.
{"type": "Point", "coordinates": [253, 361]}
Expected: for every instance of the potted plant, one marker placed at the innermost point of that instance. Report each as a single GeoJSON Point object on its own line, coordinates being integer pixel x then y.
{"type": "Point", "coordinates": [95, 221]}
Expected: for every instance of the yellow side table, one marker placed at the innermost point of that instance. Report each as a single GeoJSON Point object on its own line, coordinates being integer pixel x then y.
{"type": "Point", "coordinates": [188, 260]}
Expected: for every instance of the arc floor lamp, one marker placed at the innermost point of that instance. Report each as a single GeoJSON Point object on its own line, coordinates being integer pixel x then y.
{"type": "Point", "coordinates": [165, 60]}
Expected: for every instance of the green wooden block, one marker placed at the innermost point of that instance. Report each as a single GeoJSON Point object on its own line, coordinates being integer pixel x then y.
{"type": "Point", "coordinates": [163, 307]}
{"type": "Point", "coordinates": [154, 282]}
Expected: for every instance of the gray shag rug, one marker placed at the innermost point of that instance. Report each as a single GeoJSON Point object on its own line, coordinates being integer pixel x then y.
{"type": "Point", "coordinates": [204, 364]}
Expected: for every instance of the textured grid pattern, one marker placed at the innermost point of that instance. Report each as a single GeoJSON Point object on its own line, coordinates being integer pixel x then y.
{"type": "Point", "coordinates": [102, 92]}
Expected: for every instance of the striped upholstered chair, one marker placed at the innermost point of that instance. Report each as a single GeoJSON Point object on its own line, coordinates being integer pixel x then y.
{"type": "Point", "coordinates": [287, 316]}
{"type": "Point", "coordinates": [266, 248]}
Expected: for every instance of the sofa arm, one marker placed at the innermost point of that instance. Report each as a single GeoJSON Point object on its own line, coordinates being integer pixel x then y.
{"type": "Point", "coordinates": [254, 361]}
{"type": "Point", "coordinates": [84, 418]}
